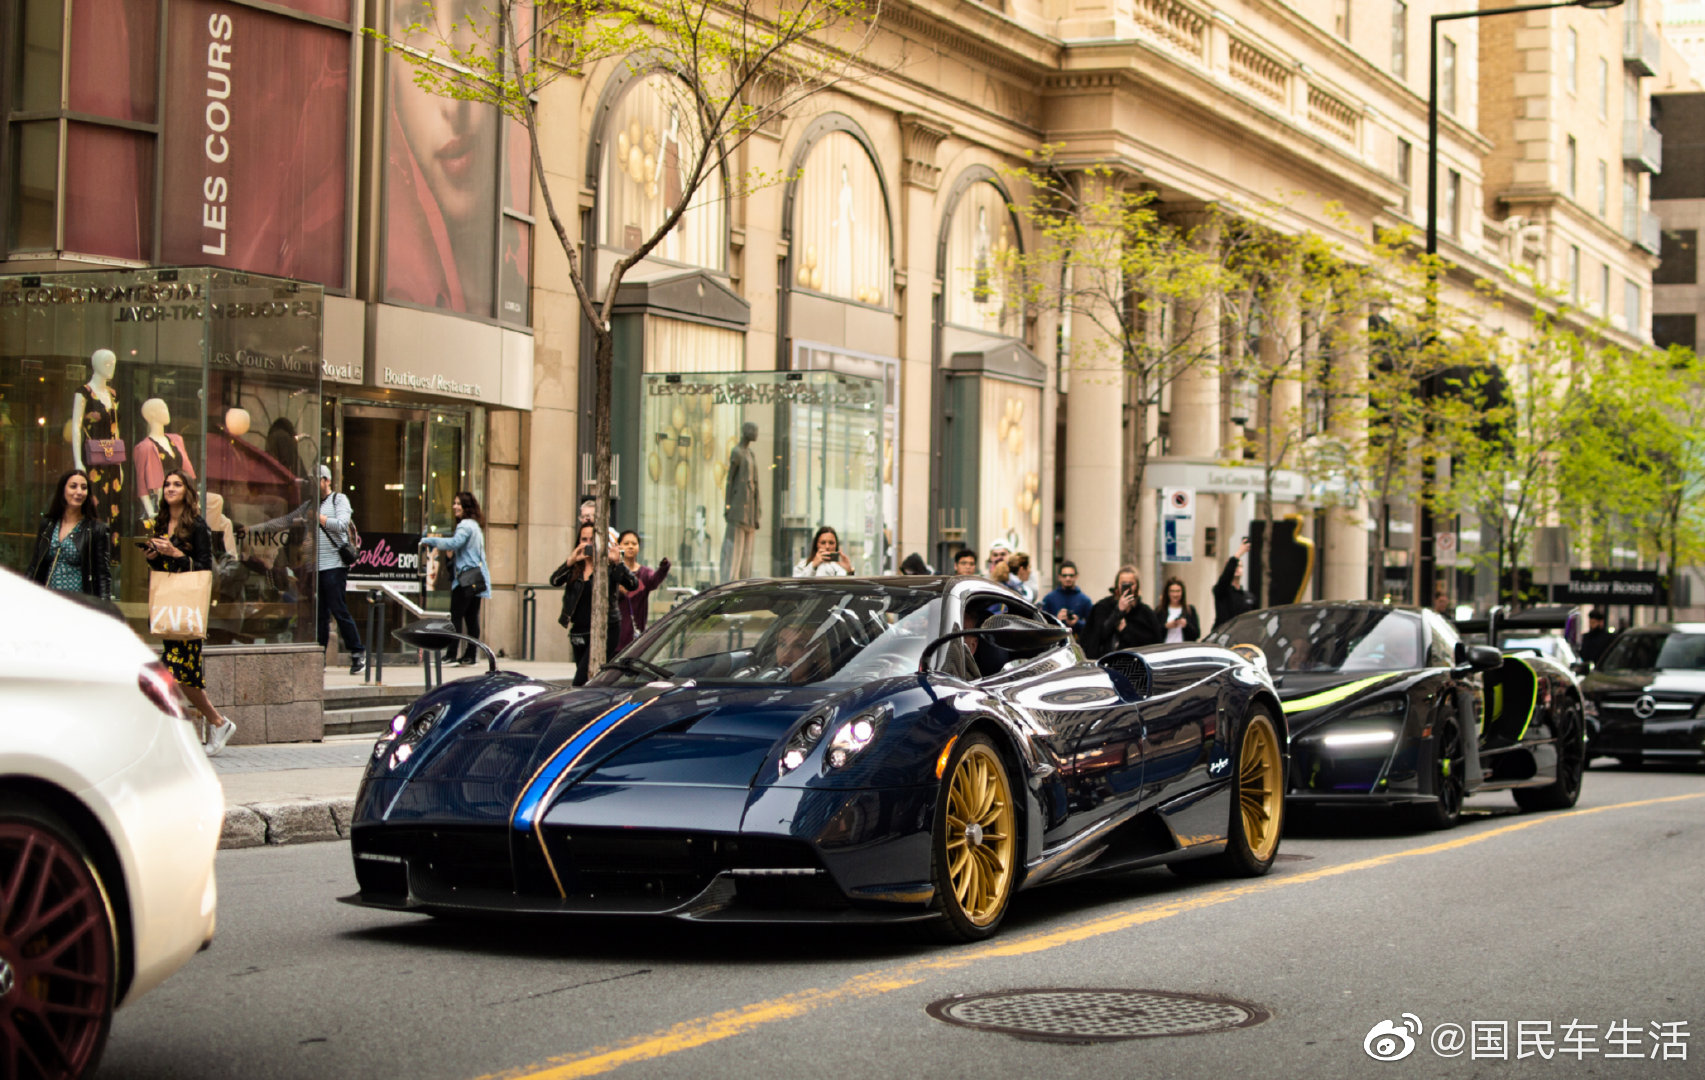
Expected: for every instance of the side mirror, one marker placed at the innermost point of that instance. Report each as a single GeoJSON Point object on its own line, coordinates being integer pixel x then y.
{"type": "Point", "coordinates": [1582, 667]}
{"type": "Point", "coordinates": [440, 634]}
{"type": "Point", "coordinates": [1472, 658]}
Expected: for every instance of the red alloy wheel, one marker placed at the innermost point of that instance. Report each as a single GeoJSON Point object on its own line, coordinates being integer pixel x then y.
{"type": "Point", "coordinates": [56, 953]}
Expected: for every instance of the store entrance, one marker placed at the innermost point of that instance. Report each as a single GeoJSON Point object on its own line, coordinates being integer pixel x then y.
{"type": "Point", "coordinates": [403, 466]}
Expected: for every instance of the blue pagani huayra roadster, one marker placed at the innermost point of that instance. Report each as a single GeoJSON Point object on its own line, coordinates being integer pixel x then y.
{"type": "Point", "coordinates": [828, 749]}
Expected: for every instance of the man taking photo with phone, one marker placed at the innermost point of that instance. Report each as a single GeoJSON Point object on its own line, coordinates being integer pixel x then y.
{"type": "Point", "coordinates": [1120, 620]}
{"type": "Point", "coordinates": [1068, 603]}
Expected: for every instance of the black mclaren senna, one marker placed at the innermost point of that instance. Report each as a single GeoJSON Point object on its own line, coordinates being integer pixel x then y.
{"type": "Point", "coordinates": [827, 749]}
{"type": "Point", "coordinates": [1389, 706]}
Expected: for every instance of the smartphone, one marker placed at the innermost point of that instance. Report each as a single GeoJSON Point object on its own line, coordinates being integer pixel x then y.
{"type": "Point", "coordinates": [145, 545]}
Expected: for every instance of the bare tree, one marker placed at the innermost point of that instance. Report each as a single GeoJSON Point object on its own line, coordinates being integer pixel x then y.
{"type": "Point", "coordinates": [732, 67]}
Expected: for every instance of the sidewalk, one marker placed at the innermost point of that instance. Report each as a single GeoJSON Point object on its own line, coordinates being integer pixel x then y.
{"type": "Point", "coordinates": [290, 793]}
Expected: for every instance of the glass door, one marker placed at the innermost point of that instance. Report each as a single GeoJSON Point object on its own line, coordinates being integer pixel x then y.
{"type": "Point", "coordinates": [382, 462]}
{"type": "Point", "coordinates": [446, 466]}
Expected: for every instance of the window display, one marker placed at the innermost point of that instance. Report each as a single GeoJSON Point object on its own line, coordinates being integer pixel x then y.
{"type": "Point", "coordinates": [647, 145]}
{"type": "Point", "coordinates": [981, 245]}
{"type": "Point", "coordinates": [130, 374]}
{"type": "Point", "coordinates": [840, 225]}
{"type": "Point", "coordinates": [742, 467]}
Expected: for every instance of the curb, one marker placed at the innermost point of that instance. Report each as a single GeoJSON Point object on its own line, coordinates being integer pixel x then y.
{"type": "Point", "coordinates": [302, 821]}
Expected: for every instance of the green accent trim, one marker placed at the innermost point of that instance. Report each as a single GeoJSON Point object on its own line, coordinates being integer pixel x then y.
{"type": "Point", "coordinates": [1329, 697]}
{"type": "Point", "coordinates": [1532, 699]}
{"type": "Point", "coordinates": [1444, 767]}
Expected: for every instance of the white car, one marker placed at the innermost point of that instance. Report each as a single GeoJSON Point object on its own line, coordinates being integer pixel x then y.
{"type": "Point", "coordinates": [109, 823]}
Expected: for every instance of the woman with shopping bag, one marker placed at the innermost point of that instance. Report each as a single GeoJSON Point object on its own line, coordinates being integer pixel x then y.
{"type": "Point", "coordinates": [180, 547]}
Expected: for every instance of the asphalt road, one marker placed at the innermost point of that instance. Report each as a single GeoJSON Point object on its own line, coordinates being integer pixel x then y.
{"type": "Point", "coordinates": [1590, 917]}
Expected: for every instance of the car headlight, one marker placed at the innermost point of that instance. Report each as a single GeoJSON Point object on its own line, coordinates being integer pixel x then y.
{"type": "Point", "coordinates": [404, 733]}
{"type": "Point", "coordinates": [853, 736]}
{"type": "Point", "coordinates": [804, 739]}
{"type": "Point", "coordinates": [1340, 740]}
{"type": "Point", "coordinates": [1378, 709]}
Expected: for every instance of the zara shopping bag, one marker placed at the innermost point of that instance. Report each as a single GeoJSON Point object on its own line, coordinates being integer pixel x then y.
{"type": "Point", "coordinates": [178, 604]}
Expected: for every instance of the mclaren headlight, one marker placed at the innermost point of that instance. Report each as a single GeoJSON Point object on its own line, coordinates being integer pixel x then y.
{"type": "Point", "coordinates": [1370, 728]}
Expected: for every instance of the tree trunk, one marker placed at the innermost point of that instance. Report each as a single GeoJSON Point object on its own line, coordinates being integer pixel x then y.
{"type": "Point", "coordinates": [603, 363]}
{"type": "Point", "coordinates": [1137, 456]}
{"type": "Point", "coordinates": [1265, 599]}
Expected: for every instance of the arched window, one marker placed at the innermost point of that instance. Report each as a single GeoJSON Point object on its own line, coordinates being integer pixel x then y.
{"type": "Point", "coordinates": [649, 145]}
{"type": "Point", "coordinates": [981, 244]}
{"type": "Point", "coordinates": [840, 224]}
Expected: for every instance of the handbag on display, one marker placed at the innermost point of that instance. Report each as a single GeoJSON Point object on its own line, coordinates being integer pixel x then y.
{"type": "Point", "coordinates": [104, 451]}
{"type": "Point", "coordinates": [178, 604]}
{"type": "Point", "coordinates": [471, 578]}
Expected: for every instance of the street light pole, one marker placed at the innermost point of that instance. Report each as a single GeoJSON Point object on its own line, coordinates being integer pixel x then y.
{"type": "Point", "coordinates": [1426, 562]}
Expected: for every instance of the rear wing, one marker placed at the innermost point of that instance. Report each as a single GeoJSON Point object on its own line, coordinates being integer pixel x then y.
{"type": "Point", "coordinates": [1501, 621]}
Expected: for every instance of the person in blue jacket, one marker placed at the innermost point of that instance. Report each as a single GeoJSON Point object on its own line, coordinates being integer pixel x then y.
{"type": "Point", "coordinates": [468, 570]}
{"type": "Point", "coordinates": [1068, 603]}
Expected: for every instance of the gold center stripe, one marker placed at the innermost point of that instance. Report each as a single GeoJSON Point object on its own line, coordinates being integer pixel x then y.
{"type": "Point", "coordinates": [725, 1025]}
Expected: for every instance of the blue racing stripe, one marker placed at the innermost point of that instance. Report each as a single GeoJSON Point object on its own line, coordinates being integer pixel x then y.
{"type": "Point", "coordinates": [528, 805]}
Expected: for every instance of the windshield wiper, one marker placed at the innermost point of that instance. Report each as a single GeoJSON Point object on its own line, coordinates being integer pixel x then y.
{"type": "Point", "coordinates": [636, 666]}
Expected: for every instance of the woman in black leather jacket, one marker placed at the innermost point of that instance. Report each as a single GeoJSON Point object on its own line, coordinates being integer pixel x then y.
{"type": "Point", "coordinates": [575, 576]}
{"type": "Point", "coordinates": [72, 543]}
{"type": "Point", "coordinates": [180, 542]}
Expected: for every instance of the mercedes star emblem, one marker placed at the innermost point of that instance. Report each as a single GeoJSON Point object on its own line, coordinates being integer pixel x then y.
{"type": "Point", "coordinates": [1646, 707]}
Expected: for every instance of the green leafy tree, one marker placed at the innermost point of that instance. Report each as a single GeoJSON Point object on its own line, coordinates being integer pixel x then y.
{"type": "Point", "coordinates": [1637, 466]}
{"type": "Point", "coordinates": [1300, 304]}
{"type": "Point", "coordinates": [1517, 410]}
{"type": "Point", "coordinates": [1414, 343]}
{"type": "Point", "coordinates": [1139, 287]}
{"type": "Point", "coordinates": [733, 66]}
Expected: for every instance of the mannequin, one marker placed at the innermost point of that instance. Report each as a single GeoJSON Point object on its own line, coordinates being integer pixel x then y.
{"type": "Point", "coordinates": [742, 504]}
{"type": "Point", "coordinates": [94, 415]}
{"type": "Point", "coordinates": [158, 454]}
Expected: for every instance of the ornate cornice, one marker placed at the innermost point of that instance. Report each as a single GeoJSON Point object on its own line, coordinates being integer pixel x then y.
{"type": "Point", "coordinates": [920, 137]}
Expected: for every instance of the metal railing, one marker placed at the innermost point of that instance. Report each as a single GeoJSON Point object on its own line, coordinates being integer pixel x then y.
{"type": "Point", "coordinates": [1642, 49]}
{"type": "Point", "coordinates": [1643, 147]}
{"type": "Point", "coordinates": [376, 630]}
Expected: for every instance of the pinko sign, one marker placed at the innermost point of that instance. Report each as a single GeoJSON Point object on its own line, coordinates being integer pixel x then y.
{"type": "Point", "coordinates": [387, 557]}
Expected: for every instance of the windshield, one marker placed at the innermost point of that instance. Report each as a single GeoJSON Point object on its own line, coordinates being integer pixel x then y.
{"type": "Point", "coordinates": [820, 632]}
{"type": "Point", "coordinates": [1554, 647]}
{"type": "Point", "coordinates": [1650, 651]}
{"type": "Point", "coordinates": [1328, 638]}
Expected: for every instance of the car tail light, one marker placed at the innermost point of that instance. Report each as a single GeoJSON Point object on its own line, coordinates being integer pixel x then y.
{"type": "Point", "coordinates": [158, 686]}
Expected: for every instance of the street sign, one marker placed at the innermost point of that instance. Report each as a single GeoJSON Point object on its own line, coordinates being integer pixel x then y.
{"type": "Point", "coordinates": [1177, 525]}
{"type": "Point", "coordinates": [1444, 548]}
{"type": "Point", "coordinates": [1178, 502]}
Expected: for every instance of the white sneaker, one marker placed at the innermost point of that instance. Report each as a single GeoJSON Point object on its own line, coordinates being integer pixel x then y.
{"type": "Point", "coordinates": [219, 736]}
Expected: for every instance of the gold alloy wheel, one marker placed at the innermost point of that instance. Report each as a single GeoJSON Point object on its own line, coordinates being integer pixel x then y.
{"type": "Point", "coordinates": [1259, 783]}
{"type": "Point", "coordinates": [980, 828]}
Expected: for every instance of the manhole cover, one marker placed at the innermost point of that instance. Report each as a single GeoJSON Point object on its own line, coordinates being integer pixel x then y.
{"type": "Point", "coordinates": [1075, 1015]}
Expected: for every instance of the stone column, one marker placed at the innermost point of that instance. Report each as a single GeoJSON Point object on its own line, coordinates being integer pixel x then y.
{"type": "Point", "coordinates": [921, 137]}
{"type": "Point", "coordinates": [1344, 569]}
{"type": "Point", "coordinates": [549, 434]}
{"type": "Point", "coordinates": [1095, 527]}
{"type": "Point", "coordinates": [1196, 417]}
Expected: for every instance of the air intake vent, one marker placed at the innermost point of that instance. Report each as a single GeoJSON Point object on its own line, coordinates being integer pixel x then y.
{"type": "Point", "coordinates": [1131, 669]}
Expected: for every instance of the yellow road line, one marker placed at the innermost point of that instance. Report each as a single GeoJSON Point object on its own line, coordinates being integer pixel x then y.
{"type": "Point", "coordinates": [725, 1025]}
